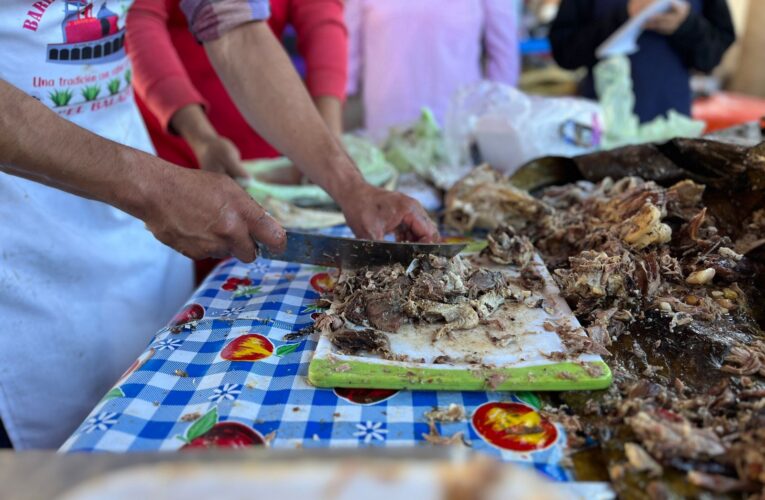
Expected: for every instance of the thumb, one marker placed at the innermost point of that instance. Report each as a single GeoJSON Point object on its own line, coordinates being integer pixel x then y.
{"type": "Point", "coordinates": [265, 229]}
{"type": "Point", "coordinates": [231, 160]}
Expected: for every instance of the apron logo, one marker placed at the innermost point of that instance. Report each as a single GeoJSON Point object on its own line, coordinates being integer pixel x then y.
{"type": "Point", "coordinates": [88, 38]}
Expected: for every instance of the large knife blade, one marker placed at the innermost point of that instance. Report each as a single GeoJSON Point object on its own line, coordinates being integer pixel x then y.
{"type": "Point", "coordinates": [349, 253]}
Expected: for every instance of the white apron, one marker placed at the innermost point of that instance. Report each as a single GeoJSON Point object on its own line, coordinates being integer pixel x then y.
{"type": "Point", "coordinates": [83, 286]}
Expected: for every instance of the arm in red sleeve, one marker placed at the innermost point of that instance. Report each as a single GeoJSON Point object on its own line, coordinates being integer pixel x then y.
{"type": "Point", "coordinates": [323, 43]}
{"type": "Point", "coordinates": [159, 76]}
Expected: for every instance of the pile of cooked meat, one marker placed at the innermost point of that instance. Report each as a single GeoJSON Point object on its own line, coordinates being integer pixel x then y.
{"type": "Point", "coordinates": [454, 293]}
{"type": "Point", "coordinates": [657, 283]}
{"type": "Point", "coordinates": [458, 294]}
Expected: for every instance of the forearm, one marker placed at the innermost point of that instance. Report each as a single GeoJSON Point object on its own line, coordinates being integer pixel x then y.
{"type": "Point", "coordinates": [69, 158]}
{"type": "Point", "coordinates": [191, 123]}
{"type": "Point", "coordinates": [159, 76]}
{"type": "Point", "coordinates": [262, 82]}
{"type": "Point", "coordinates": [331, 110]}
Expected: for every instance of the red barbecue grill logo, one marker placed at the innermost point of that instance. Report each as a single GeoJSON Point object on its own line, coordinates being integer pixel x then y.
{"type": "Point", "coordinates": [88, 38]}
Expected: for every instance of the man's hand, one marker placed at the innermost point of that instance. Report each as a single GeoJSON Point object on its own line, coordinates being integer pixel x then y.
{"type": "Point", "coordinates": [668, 22]}
{"type": "Point", "coordinates": [200, 214]}
{"type": "Point", "coordinates": [218, 154]}
{"type": "Point", "coordinates": [373, 212]}
{"type": "Point", "coordinates": [203, 214]}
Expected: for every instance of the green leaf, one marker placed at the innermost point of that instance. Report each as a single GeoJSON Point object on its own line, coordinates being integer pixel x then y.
{"type": "Point", "coordinates": [246, 291]}
{"type": "Point", "coordinates": [90, 92]}
{"type": "Point", "coordinates": [475, 246]}
{"type": "Point", "coordinates": [202, 425]}
{"type": "Point", "coordinates": [285, 349]}
{"type": "Point", "coordinates": [313, 308]}
{"type": "Point", "coordinates": [318, 268]}
{"type": "Point", "coordinates": [114, 86]}
{"type": "Point", "coordinates": [61, 97]}
{"type": "Point", "coordinates": [530, 399]}
{"type": "Point", "coordinates": [114, 394]}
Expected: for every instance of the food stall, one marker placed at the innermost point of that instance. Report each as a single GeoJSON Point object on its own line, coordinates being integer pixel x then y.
{"type": "Point", "coordinates": [591, 326]}
{"type": "Point", "coordinates": [661, 383]}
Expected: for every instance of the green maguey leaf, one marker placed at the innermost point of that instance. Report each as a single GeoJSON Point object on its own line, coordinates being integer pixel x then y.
{"type": "Point", "coordinates": [285, 349]}
{"type": "Point", "coordinates": [115, 393]}
{"type": "Point", "coordinates": [202, 425]}
{"type": "Point", "coordinates": [530, 399]}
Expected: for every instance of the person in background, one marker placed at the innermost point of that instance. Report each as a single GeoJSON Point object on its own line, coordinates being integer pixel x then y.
{"type": "Point", "coordinates": [191, 118]}
{"type": "Point", "coordinates": [406, 54]}
{"type": "Point", "coordinates": [691, 35]}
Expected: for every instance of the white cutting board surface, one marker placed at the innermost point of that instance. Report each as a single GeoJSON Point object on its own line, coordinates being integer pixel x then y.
{"type": "Point", "coordinates": [528, 344]}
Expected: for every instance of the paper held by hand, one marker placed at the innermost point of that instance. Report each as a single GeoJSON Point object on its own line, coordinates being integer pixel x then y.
{"type": "Point", "coordinates": [623, 41]}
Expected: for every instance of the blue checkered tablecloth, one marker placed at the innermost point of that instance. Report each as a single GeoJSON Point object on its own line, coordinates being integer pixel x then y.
{"type": "Point", "coordinates": [187, 385]}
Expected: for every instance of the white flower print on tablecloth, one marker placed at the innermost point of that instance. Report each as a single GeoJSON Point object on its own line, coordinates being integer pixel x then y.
{"type": "Point", "coordinates": [101, 422]}
{"type": "Point", "coordinates": [225, 392]}
{"type": "Point", "coordinates": [370, 431]}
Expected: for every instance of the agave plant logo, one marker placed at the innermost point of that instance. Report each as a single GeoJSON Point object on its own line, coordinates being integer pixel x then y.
{"type": "Point", "coordinates": [90, 92]}
{"type": "Point", "coordinates": [114, 86]}
{"type": "Point", "coordinates": [61, 97]}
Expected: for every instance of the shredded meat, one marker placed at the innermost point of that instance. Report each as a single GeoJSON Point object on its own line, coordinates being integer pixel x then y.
{"type": "Point", "coordinates": [451, 292]}
{"type": "Point", "coordinates": [658, 282]}
{"type": "Point", "coordinates": [349, 341]}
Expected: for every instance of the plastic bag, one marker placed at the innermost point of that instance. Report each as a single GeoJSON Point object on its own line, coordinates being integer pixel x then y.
{"type": "Point", "coordinates": [510, 128]}
{"type": "Point", "coordinates": [613, 84]}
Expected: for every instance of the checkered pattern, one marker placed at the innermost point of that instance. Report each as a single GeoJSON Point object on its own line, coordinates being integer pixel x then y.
{"type": "Point", "coordinates": [182, 376]}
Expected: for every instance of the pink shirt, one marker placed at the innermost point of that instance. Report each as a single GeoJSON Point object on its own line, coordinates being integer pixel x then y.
{"type": "Point", "coordinates": [406, 54]}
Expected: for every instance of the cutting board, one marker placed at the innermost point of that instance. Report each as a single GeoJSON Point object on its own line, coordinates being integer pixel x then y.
{"type": "Point", "coordinates": [478, 363]}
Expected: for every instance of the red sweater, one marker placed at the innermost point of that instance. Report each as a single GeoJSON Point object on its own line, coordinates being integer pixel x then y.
{"type": "Point", "coordinates": [171, 69]}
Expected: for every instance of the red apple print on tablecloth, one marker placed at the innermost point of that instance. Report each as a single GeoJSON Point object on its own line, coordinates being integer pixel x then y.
{"type": "Point", "coordinates": [232, 283]}
{"type": "Point", "coordinates": [138, 363]}
{"type": "Point", "coordinates": [514, 426]}
{"type": "Point", "coordinates": [364, 396]}
{"type": "Point", "coordinates": [250, 347]}
{"type": "Point", "coordinates": [207, 432]}
{"type": "Point", "coordinates": [189, 314]}
{"type": "Point", "coordinates": [242, 287]}
{"type": "Point", "coordinates": [323, 282]}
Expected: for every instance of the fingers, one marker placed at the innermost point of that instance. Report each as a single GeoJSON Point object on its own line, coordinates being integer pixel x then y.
{"type": "Point", "coordinates": [244, 248]}
{"type": "Point", "coordinates": [419, 228]}
{"type": "Point", "coordinates": [264, 228]}
{"type": "Point", "coordinates": [232, 164]}
{"type": "Point", "coordinates": [375, 232]}
{"type": "Point", "coordinates": [662, 23]}
{"type": "Point", "coordinates": [222, 156]}
{"type": "Point", "coordinates": [421, 225]}
{"type": "Point", "coordinates": [414, 224]}
{"type": "Point", "coordinates": [237, 170]}
{"type": "Point", "coordinates": [636, 6]}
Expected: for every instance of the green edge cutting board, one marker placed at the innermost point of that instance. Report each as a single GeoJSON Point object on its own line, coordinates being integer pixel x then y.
{"type": "Point", "coordinates": [517, 363]}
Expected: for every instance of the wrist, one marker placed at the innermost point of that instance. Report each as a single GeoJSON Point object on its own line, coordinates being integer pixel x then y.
{"type": "Point", "coordinates": [137, 189]}
{"type": "Point", "coordinates": [342, 179]}
{"type": "Point", "coordinates": [192, 124]}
